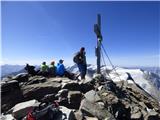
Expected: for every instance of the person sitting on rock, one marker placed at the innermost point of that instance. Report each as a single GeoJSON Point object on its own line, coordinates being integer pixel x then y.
{"type": "Point", "coordinates": [44, 69]}
{"type": "Point", "coordinates": [61, 71]}
{"type": "Point", "coordinates": [60, 68]}
{"type": "Point", "coordinates": [52, 69]}
{"type": "Point", "coordinates": [30, 69]}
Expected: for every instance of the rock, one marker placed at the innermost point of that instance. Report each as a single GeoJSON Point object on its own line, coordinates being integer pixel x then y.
{"type": "Point", "coordinates": [79, 115]}
{"type": "Point", "coordinates": [99, 78]}
{"type": "Point", "coordinates": [55, 79]}
{"type": "Point", "coordinates": [7, 117]}
{"type": "Point", "coordinates": [22, 77]}
{"type": "Point", "coordinates": [63, 93]}
{"type": "Point", "coordinates": [94, 110]}
{"type": "Point", "coordinates": [36, 79]}
{"type": "Point", "coordinates": [38, 91]}
{"type": "Point", "coordinates": [20, 110]}
{"type": "Point", "coordinates": [115, 106]}
{"type": "Point", "coordinates": [90, 118]}
{"type": "Point", "coordinates": [72, 86]}
{"type": "Point", "coordinates": [62, 97]}
{"type": "Point", "coordinates": [49, 98]}
{"type": "Point", "coordinates": [100, 87]}
{"type": "Point", "coordinates": [136, 116]}
{"type": "Point", "coordinates": [92, 96]}
{"type": "Point", "coordinates": [10, 95]}
{"type": "Point", "coordinates": [110, 99]}
{"type": "Point", "coordinates": [69, 114]}
{"type": "Point", "coordinates": [6, 79]}
{"type": "Point", "coordinates": [153, 116]}
{"type": "Point", "coordinates": [9, 86]}
{"type": "Point", "coordinates": [85, 87]}
{"type": "Point", "coordinates": [74, 99]}
{"type": "Point", "coordinates": [110, 86]}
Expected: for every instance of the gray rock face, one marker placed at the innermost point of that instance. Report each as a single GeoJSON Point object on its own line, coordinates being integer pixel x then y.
{"type": "Point", "coordinates": [9, 86]}
{"type": "Point", "coordinates": [63, 93]}
{"type": "Point", "coordinates": [36, 80]}
{"type": "Point", "coordinates": [153, 116]}
{"type": "Point", "coordinates": [85, 87]}
{"type": "Point", "coordinates": [92, 96]}
{"type": "Point", "coordinates": [74, 99]}
{"type": "Point", "coordinates": [95, 110]}
{"type": "Point", "coordinates": [73, 86]}
{"type": "Point", "coordinates": [69, 114]}
{"type": "Point", "coordinates": [10, 95]}
{"type": "Point", "coordinates": [20, 110]}
{"type": "Point", "coordinates": [38, 91]}
{"type": "Point", "coordinates": [22, 77]}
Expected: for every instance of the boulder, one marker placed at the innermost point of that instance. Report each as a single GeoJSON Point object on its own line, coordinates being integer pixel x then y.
{"type": "Point", "coordinates": [21, 77]}
{"type": "Point", "coordinates": [79, 115]}
{"type": "Point", "coordinates": [63, 93]}
{"type": "Point", "coordinates": [153, 115]}
{"type": "Point", "coordinates": [9, 86]}
{"type": "Point", "coordinates": [7, 117]}
{"type": "Point", "coordinates": [38, 91]}
{"type": "Point", "coordinates": [74, 99]}
{"type": "Point", "coordinates": [92, 96]}
{"type": "Point", "coordinates": [67, 113]}
{"type": "Point", "coordinates": [21, 109]}
{"type": "Point", "coordinates": [115, 105]}
{"type": "Point", "coordinates": [86, 86]}
{"type": "Point", "coordinates": [36, 79]}
{"type": "Point", "coordinates": [136, 116]}
{"type": "Point", "coordinates": [10, 95]}
{"type": "Point", "coordinates": [95, 110]}
{"type": "Point", "coordinates": [72, 86]}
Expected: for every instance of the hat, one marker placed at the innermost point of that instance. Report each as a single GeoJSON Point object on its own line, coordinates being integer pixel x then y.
{"type": "Point", "coordinates": [82, 49]}
{"type": "Point", "coordinates": [52, 63]}
{"type": "Point", "coordinates": [61, 61]}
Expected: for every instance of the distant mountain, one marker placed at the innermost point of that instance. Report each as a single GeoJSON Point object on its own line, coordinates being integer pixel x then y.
{"type": "Point", "coordinates": [8, 69]}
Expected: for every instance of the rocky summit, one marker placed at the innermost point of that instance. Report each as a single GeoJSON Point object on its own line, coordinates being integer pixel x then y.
{"type": "Point", "coordinates": [99, 98]}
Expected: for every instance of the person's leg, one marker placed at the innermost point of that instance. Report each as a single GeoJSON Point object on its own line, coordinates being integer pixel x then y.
{"type": "Point", "coordinates": [84, 69]}
{"type": "Point", "coordinates": [80, 70]}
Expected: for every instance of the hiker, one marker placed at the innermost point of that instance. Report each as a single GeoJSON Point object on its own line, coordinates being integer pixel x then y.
{"type": "Point", "coordinates": [44, 69]}
{"type": "Point", "coordinates": [62, 72]}
{"type": "Point", "coordinates": [30, 69]}
{"type": "Point", "coordinates": [52, 69]}
{"type": "Point", "coordinates": [80, 60]}
{"type": "Point", "coordinates": [60, 68]}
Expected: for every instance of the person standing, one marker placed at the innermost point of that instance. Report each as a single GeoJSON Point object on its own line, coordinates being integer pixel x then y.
{"type": "Point", "coordinates": [80, 60]}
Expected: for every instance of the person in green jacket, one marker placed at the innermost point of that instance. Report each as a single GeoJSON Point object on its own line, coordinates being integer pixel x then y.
{"type": "Point", "coordinates": [44, 69]}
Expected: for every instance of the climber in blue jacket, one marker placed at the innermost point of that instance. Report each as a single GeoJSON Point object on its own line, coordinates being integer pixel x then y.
{"type": "Point", "coordinates": [62, 72]}
{"type": "Point", "coordinates": [60, 68]}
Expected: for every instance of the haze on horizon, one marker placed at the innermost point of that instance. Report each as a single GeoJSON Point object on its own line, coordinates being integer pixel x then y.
{"type": "Point", "coordinates": [34, 31]}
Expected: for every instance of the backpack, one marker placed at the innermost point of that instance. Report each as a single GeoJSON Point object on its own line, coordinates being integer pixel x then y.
{"type": "Point", "coordinates": [48, 111]}
{"type": "Point", "coordinates": [76, 58]}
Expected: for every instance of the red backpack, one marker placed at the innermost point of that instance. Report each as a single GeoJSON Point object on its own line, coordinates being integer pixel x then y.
{"type": "Point", "coordinates": [30, 116]}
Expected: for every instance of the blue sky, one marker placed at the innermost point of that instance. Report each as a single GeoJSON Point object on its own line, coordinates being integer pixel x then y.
{"type": "Point", "coordinates": [33, 32]}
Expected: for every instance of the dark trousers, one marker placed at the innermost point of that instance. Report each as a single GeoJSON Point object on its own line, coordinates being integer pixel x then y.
{"type": "Point", "coordinates": [82, 69]}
